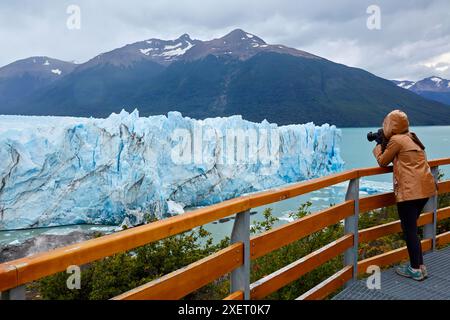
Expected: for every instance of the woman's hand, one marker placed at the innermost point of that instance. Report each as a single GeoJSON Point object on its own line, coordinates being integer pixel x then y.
{"type": "Point", "coordinates": [381, 140]}
{"type": "Point", "coordinates": [380, 137]}
{"type": "Point", "coordinates": [385, 157]}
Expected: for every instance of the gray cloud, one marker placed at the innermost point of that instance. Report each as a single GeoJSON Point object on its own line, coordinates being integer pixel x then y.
{"type": "Point", "coordinates": [414, 40]}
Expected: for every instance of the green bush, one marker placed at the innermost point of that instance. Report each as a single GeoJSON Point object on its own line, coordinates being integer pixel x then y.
{"type": "Point", "coordinates": [111, 276]}
{"type": "Point", "coordinates": [114, 275]}
{"type": "Point", "coordinates": [279, 258]}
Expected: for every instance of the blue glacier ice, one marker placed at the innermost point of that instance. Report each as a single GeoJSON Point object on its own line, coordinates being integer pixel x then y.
{"type": "Point", "coordinates": [59, 170]}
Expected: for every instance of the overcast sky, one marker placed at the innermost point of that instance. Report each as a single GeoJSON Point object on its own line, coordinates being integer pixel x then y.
{"type": "Point", "coordinates": [413, 42]}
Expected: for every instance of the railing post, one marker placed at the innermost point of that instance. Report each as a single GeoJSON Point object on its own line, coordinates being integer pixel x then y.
{"type": "Point", "coordinates": [429, 230]}
{"type": "Point", "coordinates": [13, 294]}
{"type": "Point", "coordinates": [351, 226]}
{"type": "Point", "coordinates": [240, 277]}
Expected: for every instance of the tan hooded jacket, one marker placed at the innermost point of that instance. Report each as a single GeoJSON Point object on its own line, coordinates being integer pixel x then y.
{"type": "Point", "coordinates": [412, 174]}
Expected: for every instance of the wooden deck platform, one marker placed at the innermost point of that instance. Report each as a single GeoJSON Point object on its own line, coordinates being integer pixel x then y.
{"type": "Point", "coordinates": [394, 287]}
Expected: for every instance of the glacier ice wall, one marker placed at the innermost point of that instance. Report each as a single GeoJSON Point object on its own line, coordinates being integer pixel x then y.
{"type": "Point", "coordinates": [59, 170]}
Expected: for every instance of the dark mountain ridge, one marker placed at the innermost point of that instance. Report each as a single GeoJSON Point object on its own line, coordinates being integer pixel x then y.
{"type": "Point", "coordinates": [433, 88]}
{"type": "Point", "coordinates": [236, 74]}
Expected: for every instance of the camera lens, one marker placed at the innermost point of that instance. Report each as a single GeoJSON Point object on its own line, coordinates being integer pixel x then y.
{"type": "Point", "coordinates": [371, 136]}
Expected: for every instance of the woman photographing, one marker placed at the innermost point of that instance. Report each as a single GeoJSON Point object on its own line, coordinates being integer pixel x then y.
{"type": "Point", "coordinates": [413, 184]}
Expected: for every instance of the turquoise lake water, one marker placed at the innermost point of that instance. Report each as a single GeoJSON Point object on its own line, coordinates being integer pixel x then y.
{"type": "Point", "coordinates": [356, 152]}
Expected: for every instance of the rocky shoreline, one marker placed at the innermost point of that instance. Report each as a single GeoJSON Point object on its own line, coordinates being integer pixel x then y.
{"type": "Point", "coordinates": [42, 243]}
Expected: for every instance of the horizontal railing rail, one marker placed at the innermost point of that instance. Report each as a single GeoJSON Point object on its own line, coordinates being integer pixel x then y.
{"type": "Point", "coordinates": [235, 258]}
{"type": "Point", "coordinates": [294, 271]}
{"type": "Point", "coordinates": [276, 238]}
{"type": "Point", "coordinates": [282, 277]}
{"type": "Point", "coordinates": [180, 283]}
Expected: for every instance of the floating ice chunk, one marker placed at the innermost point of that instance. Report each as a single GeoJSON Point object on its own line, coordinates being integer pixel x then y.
{"type": "Point", "coordinates": [174, 208]}
{"type": "Point", "coordinates": [124, 225]}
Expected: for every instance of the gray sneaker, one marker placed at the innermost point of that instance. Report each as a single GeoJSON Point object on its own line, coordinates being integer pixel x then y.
{"type": "Point", "coordinates": [424, 271]}
{"type": "Point", "coordinates": [408, 272]}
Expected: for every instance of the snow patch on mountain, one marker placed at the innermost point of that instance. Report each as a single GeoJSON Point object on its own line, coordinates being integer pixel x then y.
{"type": "Point", "coordinates": [437, 80]}
{"type": "Point", "coordinates": [406, 84]}
{"type": "Point", "coordinates": [176, 51]}
{"type": "Point", "coordinates": [169, 49]}
{"type": "Point", "coordinates": [146, 51]}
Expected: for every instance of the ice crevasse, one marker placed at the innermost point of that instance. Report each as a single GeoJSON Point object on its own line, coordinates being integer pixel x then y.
{"type": "Point", "coordinates": [61, 170]}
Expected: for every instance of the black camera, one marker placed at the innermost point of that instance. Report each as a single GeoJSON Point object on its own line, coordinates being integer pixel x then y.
{"type": "Point", "coordinates": [377, 136]}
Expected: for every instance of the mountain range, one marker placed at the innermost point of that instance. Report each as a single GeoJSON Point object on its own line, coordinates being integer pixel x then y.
{"type": "Point", "coordinates": [236, 74]}
{"type": "Point", "coordinates": [433, 88]}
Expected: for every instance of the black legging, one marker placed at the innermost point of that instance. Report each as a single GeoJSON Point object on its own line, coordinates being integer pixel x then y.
{"type": "Point", "coordinates": [409, 212]}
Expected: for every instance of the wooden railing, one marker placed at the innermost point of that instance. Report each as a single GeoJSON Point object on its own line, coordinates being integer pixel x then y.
{"type": "Point", "coordinates": [236, 258]}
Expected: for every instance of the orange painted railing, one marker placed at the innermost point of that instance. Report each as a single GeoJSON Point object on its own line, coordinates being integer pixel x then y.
{"type": "Point", "coordinates": [237, 256]}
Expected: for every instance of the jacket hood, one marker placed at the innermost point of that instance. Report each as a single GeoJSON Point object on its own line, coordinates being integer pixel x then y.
{"type": "Point", "coordinates": [396, 122]}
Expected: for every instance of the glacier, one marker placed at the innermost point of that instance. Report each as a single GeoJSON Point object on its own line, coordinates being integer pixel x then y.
{"type": "Point", "coordinates": [60, 171]}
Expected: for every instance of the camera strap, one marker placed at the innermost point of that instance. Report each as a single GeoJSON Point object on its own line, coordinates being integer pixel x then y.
{"type": "Point", "coordinates": [416, 140]}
